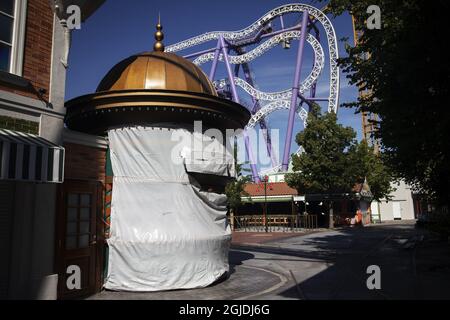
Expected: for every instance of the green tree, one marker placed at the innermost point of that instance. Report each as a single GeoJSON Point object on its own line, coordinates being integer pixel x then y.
{"type": "Point", "coordinates": [235, 189]}
{"type": "Point", "coordinates": [323, 167]}
{"type": "Point", "coordinates": [333, 161]}
{"type": "Point", "coordinates": [371, 166]}
{"type": "Point", "coordinates": [405, 73]}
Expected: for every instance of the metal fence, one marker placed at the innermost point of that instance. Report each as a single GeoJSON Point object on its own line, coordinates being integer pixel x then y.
{"type": "Point", "coordinates": [274, 223]}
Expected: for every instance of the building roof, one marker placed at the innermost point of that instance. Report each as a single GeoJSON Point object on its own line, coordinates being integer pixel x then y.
{"type": "Point", "coordinates": [157, 70]}
{"type": "Point", "coordinates": [152, 88]}
{"type": "Point", "coordinates": [282, 189]}
{"type": "Point", "coordinates": [273, 189]}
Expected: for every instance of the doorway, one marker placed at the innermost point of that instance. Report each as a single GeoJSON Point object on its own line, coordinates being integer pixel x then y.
{"type": "Point", "coordinates": [397, 211]}
{"type": "Point", "coordinates": [80, 237]}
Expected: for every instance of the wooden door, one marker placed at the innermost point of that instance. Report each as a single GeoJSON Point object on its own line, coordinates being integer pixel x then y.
{"type": "Point", "coordinates": [79, 252]}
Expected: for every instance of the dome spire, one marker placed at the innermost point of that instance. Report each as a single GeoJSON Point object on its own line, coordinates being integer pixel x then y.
{"type": "Point", "coordinates": [159, 36]}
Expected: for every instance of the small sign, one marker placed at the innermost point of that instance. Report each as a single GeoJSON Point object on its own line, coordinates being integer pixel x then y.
{"type": "Point", "coordinates": [299, 198]}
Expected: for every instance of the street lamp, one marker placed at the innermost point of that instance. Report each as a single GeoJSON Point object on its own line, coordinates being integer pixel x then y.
{"type": "Point", "coordinates": [264, 180]}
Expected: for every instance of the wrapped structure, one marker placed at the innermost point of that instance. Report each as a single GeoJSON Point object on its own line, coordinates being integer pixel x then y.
{"type": "Point", "coordinates": [167, 230]}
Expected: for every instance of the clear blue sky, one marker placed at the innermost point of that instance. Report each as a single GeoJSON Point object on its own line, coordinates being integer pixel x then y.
{"type": "Point", "coordinates": [121, 28]}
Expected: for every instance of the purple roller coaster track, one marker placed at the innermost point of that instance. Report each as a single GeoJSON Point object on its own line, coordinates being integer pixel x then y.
{"type": "Point", "coordinates": [232, 49]}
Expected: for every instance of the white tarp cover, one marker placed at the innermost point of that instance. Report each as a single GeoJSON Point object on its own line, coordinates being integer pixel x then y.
{"type": "Point", "coordinates": [166, 233]}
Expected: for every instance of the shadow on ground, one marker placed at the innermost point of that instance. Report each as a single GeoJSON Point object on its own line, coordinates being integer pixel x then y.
{"type": "Point", "coordinates": [328, 265]}
{"type": "Point", "coordinates": [410, 268]}
{"type": "Point", "coordinates": [241, 282]}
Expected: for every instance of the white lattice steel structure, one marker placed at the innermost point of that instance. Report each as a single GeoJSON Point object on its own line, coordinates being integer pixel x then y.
{"type": "Point", "coordinates": [234, 36]}
{"type": "Point", "coordinates": [266, 103]}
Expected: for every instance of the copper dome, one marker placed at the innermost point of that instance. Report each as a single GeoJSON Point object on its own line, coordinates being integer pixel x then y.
{"type": "Point", "coordinates": [153, 88]}
{"type": "Point", "coordinates": [157, 71]}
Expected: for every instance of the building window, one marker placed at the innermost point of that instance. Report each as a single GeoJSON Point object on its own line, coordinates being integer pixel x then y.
{"type": "Point", "coordinates": [12, 35]}
{"type": "Point", "coordinates": [78, 225]}
{"type": "Point", "coordinates": [21, 125]}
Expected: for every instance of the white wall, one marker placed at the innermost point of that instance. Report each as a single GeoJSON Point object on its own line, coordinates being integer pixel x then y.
{"type": "Point", "coordinates": [276, 177]}
{"type": "Point", "coordinates": [403, 196]}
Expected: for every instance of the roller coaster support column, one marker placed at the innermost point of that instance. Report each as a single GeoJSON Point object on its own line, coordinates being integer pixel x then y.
{"type": "Point", "coordinates": [314, 86]}
{"type": "Point", "coordinates": [295, 91]}
{"type": "Point", "coordinates": [212, 72]}
{"type": "Point", "coordinates": [256, 107]}
{"type": "Point", "coordinates": [236, 99]}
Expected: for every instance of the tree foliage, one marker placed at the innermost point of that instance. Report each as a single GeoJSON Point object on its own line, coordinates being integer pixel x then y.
{"type": "Point", "coordinates": [364, 163]}
{"type": "Point", "coordinates": [235, 189]}
{"type": "Point", "coordinates": [333, 161]}
{"type": "Point", "coordinates": [405, 73]}
{"type": "Point", "coordinates": [323, 165]}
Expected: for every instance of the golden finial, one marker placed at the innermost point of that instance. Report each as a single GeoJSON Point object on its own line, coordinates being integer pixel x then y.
{"type": "Point", "coordinates": [159, 36]}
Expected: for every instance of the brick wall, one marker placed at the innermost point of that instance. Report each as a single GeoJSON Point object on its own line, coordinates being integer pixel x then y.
{"type": "Point", "coordinates": [84, 163]}
{"type": "Point", "coordinates": [37, 49]}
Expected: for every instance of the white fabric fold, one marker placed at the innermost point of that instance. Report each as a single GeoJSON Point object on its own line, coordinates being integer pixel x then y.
{"type": "Point", "coordinates": [166, 233]}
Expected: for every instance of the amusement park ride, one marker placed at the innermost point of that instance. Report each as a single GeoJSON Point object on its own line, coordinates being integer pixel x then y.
{"type": "Point", "coordinates": [239, 48]}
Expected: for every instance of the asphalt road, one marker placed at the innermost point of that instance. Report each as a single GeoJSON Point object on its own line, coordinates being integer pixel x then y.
{"type": "Point", "coordinates": [330, 265]}
{"type": "Point", "coordinates": [333, 264]}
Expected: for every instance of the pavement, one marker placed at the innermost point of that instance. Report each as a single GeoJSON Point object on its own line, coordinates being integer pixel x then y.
{"type": "Point", "coordinates": [256, 238]}
{"type": "Point", "coordinates": [327, 265]}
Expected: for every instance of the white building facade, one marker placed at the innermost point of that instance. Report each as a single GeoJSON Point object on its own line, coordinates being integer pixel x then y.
{"type": "Point", "coordinates": [400, 207]}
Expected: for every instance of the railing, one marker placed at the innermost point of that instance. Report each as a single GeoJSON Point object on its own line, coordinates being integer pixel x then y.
{"type": "Point", "coordinates": [274, 223]}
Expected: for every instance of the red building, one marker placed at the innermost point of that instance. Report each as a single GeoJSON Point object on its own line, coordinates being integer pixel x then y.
{"type": "Point", "coordinates": [277, 200]}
